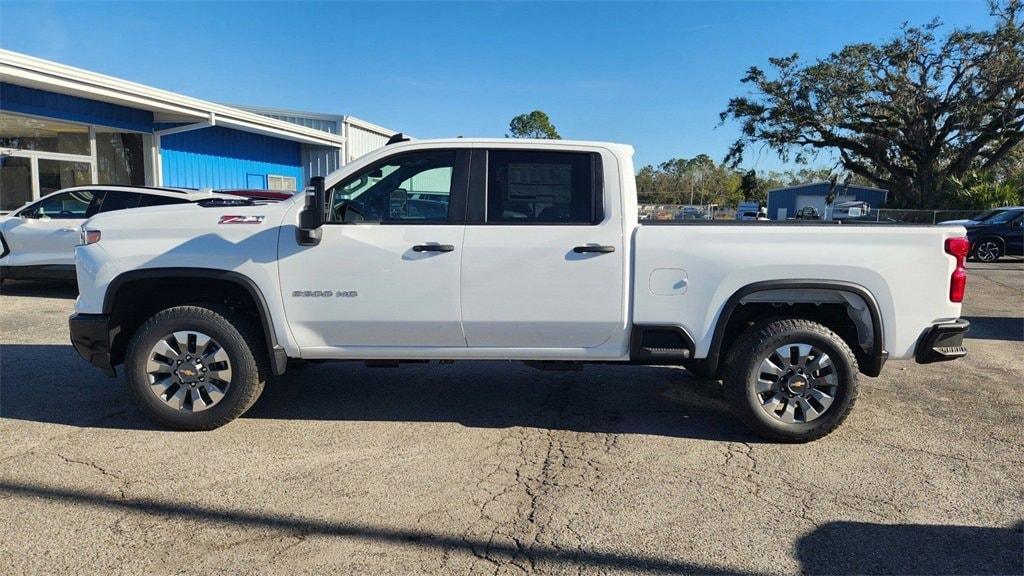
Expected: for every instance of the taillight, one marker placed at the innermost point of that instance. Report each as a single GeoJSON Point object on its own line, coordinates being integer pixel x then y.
{"type": "Point", "coordinates": [958, 248]}
{"type": "Point", "coordinates": [90, 236]}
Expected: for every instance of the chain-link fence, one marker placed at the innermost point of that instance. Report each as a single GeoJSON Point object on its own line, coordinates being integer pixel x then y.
{"type": "Point", "coordinates": [713, 212]}
{"type": "Point", "coordinates": [920, 216]}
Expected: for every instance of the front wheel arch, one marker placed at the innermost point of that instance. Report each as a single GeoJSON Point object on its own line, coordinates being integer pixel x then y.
{"type": "Point", "coordinates": [134, 296]}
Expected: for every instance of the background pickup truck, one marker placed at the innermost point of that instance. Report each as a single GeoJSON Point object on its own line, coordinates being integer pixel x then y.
{"type": "Point", "coordinates": [525, 250]}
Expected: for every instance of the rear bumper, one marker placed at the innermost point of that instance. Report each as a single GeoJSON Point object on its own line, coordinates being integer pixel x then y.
{"type": "Point", "coordinates": [90, 335]}
{"type": "Point", "coordinates": [942, 342]}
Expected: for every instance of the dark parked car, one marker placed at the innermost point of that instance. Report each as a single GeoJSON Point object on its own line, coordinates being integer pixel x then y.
{"type": "Point", "coordinates": [998, 235]}
{"type": "Point", "coordinates": [807, 213]}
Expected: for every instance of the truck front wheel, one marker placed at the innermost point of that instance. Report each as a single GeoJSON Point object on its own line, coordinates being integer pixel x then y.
{"type": "Point", "coordinates": [791, 380]}
{"type": "Point", "coordinates": [196, 367]}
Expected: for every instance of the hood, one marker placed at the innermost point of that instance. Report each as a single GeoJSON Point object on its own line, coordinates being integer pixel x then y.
{"type": "Point", "coordinates": [958, 223]}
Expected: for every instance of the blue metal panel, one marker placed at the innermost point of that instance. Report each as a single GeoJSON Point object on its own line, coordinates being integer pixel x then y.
{"type": "Point", "coordinates": [63, 107]}
{"type": "Point", "coordinates": [223, 158]}
{"type": "Point", "coordinates": [255, 181]}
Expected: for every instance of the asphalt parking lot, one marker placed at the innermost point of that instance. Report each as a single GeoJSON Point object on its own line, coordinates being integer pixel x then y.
{"type": "Point", "coordinates": [480, 468]}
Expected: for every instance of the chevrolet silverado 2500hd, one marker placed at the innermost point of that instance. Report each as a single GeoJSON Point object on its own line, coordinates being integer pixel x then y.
{"type": "Point", "coordinates": [525, 250]}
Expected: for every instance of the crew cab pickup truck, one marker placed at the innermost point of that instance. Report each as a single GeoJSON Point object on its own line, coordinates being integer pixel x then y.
{"type": "Point", "coordinates": [470, 249]}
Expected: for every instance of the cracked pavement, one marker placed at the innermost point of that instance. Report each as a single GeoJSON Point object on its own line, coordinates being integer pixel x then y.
{"type": "Point", "coordinates": [495, 468]}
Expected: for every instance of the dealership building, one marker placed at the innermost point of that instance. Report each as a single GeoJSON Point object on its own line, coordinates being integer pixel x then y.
{"type": "Point", "coordinates": [62, 126]}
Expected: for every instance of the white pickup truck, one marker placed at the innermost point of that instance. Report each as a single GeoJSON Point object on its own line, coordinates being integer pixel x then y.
{"type": "Point", "coordinates": [471, 249]}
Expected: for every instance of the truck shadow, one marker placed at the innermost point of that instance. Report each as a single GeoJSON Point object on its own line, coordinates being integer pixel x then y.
{"type": "Point", "coordinates": [865, 548]}
{"type": "Point", "coordinates": [50, 383]}
{"type": "Point", "coordinates": [1006, 328]}
{"type": "Point", "coordinates": [832, 548]}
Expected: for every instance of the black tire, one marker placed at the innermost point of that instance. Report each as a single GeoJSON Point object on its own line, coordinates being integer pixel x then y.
{"type": "Point", "coordinates": [987, 250]}
{"type": "Point", "coordinates": [743, 367]}
{"type": "Point", "coordinates": [240, 338]}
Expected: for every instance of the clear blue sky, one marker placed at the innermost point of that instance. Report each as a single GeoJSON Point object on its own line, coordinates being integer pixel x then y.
{"type": "Point", "coordinates": [653, 75]}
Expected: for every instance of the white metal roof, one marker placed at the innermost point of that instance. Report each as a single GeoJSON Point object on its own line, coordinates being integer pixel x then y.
{"type": "Point", "coordinates": [32, 72]}
{"type": "Point", "coordinates": [826, 182]}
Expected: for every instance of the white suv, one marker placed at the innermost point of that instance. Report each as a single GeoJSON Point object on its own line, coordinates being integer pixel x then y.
{"type": "Point", "coordinates": [38, 240]}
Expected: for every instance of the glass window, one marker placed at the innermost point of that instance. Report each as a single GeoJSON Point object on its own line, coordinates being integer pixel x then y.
{"type": "Point", "coordinates": [28, 133]}
{"type": "Point", "coordinates": [68, 205]}
{"type": "Point", "coordinates": [154, 200]}
{"type": "Point", "coordinates": [116, 200]}
{"type": "Point", "coordinates": [285, 183]}
{"type": "Point", "coordinates": [59, 174]}
{"type": "Point", "coordinates": [540, 187]}
{"type": "Point", "coordinates": [1003, 217]}
{"type": "Point", "coordinates": [15, 182]}
{"type": "Point", "coordinates": [119, 157]}
{"type": "Point", "coordinates": [406, 188]}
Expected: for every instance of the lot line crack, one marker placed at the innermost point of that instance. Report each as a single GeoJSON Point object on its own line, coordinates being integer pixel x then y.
{"type": "Point", "coordinates": [122, 481]}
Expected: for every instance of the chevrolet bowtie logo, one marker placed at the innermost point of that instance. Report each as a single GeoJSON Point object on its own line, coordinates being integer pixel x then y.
{"type": "Point", "coordinates": [187, 373]}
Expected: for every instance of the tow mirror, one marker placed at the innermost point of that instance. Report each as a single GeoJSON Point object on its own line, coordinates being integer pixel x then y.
{"type": "Point", "coordinates": [311, 217]}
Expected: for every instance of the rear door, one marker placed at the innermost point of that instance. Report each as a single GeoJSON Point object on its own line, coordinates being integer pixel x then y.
{"type": "Point", "coordinates": [543, 264]}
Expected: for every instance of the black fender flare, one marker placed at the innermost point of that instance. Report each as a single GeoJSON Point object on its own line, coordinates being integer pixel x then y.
{"type": "Point", "coordinates": [878, 354]}
{"type": "Point", "coordinates": [275, 352]}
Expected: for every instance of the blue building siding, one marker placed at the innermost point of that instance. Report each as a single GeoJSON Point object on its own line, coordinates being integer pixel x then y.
{"type": "Point", "coordinates": [789, 200]}
{"type": "Point", "coordinates": [20, 99]}
{"type": "Point", "coordinates": [218, 157]}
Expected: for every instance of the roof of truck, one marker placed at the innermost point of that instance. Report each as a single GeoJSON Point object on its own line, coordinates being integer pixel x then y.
{"type": "Point", "coordinates": [517, 142]}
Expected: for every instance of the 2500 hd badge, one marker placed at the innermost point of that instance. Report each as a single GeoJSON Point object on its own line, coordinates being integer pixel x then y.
{"type": "Point", "coordinates": [325, 294]}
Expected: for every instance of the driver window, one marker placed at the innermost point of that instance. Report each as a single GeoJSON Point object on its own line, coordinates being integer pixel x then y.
{"type": "Point", "coordinates": [66, 206]}
{"type": "Point", "coordinates": [413, 187]}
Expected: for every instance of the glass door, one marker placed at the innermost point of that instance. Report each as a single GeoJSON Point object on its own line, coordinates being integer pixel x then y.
{"type": "Point", "coordinates": [57, 174]}
{"type": "Point", "coordinates": [15, 182]}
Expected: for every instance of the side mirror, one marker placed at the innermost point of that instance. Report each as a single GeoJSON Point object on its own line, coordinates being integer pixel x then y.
{"type": "Point", "coordinates": [311, 217]}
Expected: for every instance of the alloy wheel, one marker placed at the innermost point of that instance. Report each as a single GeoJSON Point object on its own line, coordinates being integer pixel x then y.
{"type": "Point", "coordinates": [987, 251]}
{"type": "Point", "coordinates": [796, 383]}
{"type": "Point", "coordinates": [188, 371]}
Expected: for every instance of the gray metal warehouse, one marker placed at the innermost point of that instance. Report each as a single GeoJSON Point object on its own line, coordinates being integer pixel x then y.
{"type": "Point", "coordinates": [783, 203]}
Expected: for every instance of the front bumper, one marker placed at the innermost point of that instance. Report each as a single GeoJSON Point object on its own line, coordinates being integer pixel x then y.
{"type": "Point", "coordinates": [91, 337]}
{"type": "Point", "coordinates": [943, 342]}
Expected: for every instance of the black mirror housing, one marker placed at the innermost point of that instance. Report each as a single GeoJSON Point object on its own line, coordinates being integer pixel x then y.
{"type": "Point", "coordinates": [311, 217]}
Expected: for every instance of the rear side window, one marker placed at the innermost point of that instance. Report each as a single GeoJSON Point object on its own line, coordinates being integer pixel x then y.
{"type": "Point", "coordinates": [528, 187]}
{"type": "Point", "coordinates": [154, 200]}
{"type": "Point", "coordinates": [116, 200]}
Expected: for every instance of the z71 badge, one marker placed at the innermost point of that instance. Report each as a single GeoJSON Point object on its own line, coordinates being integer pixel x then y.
{"type": "Point", "coordinates": [238, 219]}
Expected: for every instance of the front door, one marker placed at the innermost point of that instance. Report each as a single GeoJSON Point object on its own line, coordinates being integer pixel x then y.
{"type": "Point", "coordinates": [545, 269]}
{"type": "Point", "coordinates": [48, 231]}
{"type": "Point", "coordinates": [386, 272]}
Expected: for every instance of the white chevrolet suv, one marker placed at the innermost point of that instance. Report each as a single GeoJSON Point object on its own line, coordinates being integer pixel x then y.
{"type": "Point", "coordinates": [529, 250]}
{"type": "Point", "coordinates": [38, 240]}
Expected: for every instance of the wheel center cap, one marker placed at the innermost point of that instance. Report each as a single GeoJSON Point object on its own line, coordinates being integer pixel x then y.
{"type": "Point", "coordinates": [188, 372]}
{"type": "Point", "coordinates": [797, 384]}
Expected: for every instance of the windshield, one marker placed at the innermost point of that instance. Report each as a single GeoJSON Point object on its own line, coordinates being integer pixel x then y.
{"type": "Point", "coordinates": [984, 215]}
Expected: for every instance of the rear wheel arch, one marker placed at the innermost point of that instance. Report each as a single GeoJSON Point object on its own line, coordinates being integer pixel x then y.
{"type": "Point", "coordinates": [768, 299]}
{"type": "Point", "coordinates": [153, 289]}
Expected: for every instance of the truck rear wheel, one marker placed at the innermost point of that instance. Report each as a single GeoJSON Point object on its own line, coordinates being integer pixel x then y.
{"type": "Point", "coordinates": [791, 380]}
{"type": "Point", "coordinates": [196, 367]}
